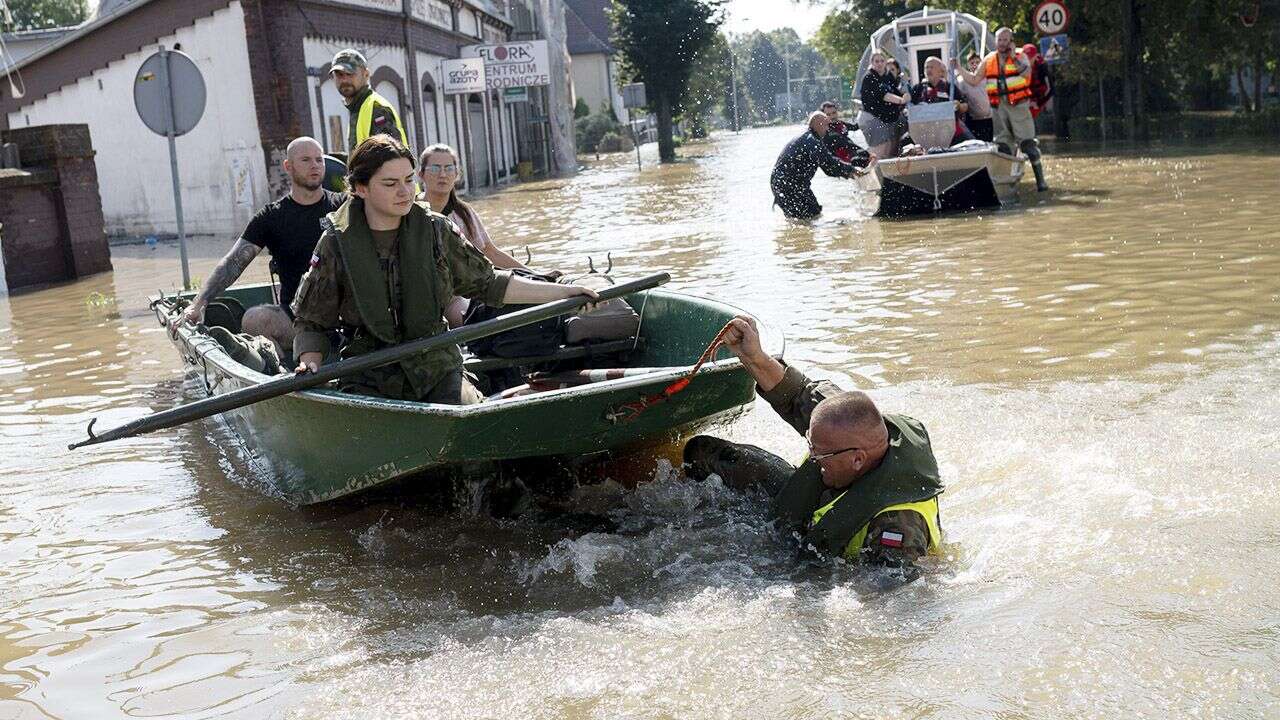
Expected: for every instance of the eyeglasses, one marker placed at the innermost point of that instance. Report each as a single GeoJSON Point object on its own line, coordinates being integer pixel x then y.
{"type": "Point", "coordinates": [817, 456]}
{"type": "Point", "coordinates": [450, 169]}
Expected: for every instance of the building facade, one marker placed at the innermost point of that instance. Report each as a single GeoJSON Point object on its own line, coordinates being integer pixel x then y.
{"type": "Point", "coordinates": [594, 69]}
{"type": "Point", "coordinates": [265, 65]}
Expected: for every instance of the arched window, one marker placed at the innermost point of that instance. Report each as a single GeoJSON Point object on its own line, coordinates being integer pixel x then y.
{"type": "Point", "coordinates": [430, 111]}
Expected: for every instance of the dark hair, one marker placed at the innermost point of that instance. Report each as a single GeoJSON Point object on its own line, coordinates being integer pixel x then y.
{"type": "Point", "coordinates": [373, 153]}
{"type": "Point", "coordinates": [464, 210]}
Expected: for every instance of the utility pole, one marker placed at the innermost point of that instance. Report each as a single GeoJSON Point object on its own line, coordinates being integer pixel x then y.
{"type": "Point", "coordinates": [786, 63]}
{"type": "Point", "coordinates": [733, 83]}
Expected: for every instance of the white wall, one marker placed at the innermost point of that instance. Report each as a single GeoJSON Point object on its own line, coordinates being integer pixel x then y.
{"type": "Point", "coordinates": [318, 53]}
{"type": "Point", "coordinates": [220, 163]}
{"type": "Point", "coordinates": [438, 129]}
{"type": "Point", "coordinates": [591, 74]}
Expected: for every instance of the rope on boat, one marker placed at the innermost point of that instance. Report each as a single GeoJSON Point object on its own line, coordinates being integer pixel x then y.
{"type": "Point", "coordinates": [628, 412]}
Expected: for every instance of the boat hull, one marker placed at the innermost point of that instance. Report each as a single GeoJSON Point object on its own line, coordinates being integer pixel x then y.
{"type": "Point", "coordinates": [954, 181]}
{"type": "Point", "coordinates": [319, 445]}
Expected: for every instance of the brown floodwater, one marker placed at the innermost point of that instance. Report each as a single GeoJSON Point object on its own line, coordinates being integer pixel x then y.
{"type": "Point", "coordinates": [1099, 370]}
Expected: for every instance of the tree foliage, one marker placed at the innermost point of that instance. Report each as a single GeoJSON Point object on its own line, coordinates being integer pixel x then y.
{"type": "Point", "coordinates": [764, 60]}
{"type": "Point", "coordinates": [708, 85]}
{"type": "Point", "coordinates": [659, 42]}
{"type": "Point", "coordinates": [43, 14]}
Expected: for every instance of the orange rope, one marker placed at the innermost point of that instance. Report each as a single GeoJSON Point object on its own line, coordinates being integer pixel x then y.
{"type": "Point", "coordinates": [630, 411]}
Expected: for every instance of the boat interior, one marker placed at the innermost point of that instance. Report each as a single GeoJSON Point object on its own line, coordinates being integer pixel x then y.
{"type": "Point", "coordinates": [669, 332]}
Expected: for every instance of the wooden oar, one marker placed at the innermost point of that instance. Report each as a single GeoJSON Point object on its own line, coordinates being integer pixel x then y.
{"type": "Point", "coordinates": [285, 385]}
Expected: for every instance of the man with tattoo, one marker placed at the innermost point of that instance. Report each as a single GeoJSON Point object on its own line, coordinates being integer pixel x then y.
{"type": "Point", "coordinates": [289, 229]}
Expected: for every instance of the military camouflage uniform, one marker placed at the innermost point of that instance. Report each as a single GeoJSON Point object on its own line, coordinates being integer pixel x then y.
{"type": "Point", "coordinates": [798, 492]}
{"type": "Point", "coordinates": [326, 300]}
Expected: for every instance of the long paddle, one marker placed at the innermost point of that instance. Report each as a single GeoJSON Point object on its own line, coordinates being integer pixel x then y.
{"type": "Point", "coordinates": [285, 385]}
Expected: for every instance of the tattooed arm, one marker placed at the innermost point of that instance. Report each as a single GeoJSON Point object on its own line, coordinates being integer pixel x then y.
{"type": "Point", "coordinates": [223, 276]}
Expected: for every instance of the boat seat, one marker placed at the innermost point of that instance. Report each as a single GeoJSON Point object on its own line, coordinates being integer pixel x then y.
{"type": "Point", "coordinates": [566, 352]}
{"type": "Point", "coordinates": [225, 312]}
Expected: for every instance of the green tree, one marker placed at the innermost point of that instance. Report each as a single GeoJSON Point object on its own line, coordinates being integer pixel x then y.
{"type": "Point", "coordinates": [708, 85]}
{"type": "Point", "coordinates": [42, 14]}
{"type": "Point", "coordinates": [766, 75]}
{"type": "Point", "coordinates": [658, 42]}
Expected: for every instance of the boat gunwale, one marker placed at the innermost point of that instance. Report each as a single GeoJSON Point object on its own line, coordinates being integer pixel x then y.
{"type": "Point", "coordinates": [924, 160]}
{"type": "Point", "coordinates": [207, 349]}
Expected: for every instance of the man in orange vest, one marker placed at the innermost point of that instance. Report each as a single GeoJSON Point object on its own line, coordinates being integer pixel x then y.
{"type": "Point", "coordinates": [1008, 76]}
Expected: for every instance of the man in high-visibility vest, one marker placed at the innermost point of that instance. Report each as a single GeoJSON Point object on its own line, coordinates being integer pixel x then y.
{"type": "Point", "coordinates": [371, 114]}
{"type": "Point", "coordinates": [1008, 77]}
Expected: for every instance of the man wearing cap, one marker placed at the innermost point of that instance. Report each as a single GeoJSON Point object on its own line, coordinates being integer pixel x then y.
{"type": "Point", "coordinates": [371, 114]}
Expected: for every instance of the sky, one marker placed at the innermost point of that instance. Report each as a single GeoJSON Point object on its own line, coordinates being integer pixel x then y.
{"type": "Point", "coordinates": [764, 15]}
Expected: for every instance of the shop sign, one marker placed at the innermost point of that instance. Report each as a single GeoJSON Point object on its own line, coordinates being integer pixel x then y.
{"type": "Point", "coordinates": [513, 64]}
{"type": "Point", "coordinates": [464, 75]}
{"type": "Point", "coordinates": [516, 94]}
{"type": "Point", "coordinates": [432, 12]}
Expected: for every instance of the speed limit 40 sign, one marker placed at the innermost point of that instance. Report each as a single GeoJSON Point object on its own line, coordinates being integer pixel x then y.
{"type": "Point", "coordinates": [1051, 17]}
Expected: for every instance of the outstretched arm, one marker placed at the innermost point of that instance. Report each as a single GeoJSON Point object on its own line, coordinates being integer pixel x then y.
{"type": "Point", "coordinates": [792, 395]}
{"type": "Point", "coordinates": [224, 276]}
{"type": "Point", "coordinates": [970, 78]}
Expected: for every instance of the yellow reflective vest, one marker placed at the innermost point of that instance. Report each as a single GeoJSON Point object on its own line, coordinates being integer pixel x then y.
{"type": "Point", "coordinates": [928, 509]}
{"type": "Point", "coordinates": [367, 124]}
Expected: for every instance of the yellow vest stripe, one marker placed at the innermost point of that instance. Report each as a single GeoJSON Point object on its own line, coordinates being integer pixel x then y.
{"type": "Point", "coordinates": [928, 509]}
{"type": "Point", "coordinates": [364, 121]}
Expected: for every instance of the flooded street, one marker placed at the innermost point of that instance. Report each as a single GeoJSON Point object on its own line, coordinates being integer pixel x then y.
{"type": "Point", "coordinates": [1099, 370]}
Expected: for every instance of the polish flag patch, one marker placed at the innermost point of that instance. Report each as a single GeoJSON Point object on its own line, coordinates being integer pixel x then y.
{"type": "Point", "coordinates": [891, 539]}
{"type": "Point", "coordinates": [315, 260]}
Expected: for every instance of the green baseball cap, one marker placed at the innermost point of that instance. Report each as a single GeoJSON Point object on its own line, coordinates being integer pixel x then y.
{"type": "Point", "coordinates": [348, 61]}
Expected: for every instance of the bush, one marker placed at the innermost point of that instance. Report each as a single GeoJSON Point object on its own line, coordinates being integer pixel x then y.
{"type": "Point", "coordinates": [614, 142]}
{"type": "Point", "coordinates": [580, 109]}
{"type": "Point", "coordinates": [588, 131]}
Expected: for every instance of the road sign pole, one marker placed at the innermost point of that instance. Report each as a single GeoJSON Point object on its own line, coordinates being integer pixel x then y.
{"type": "Point", "coordinates": [173, 165]}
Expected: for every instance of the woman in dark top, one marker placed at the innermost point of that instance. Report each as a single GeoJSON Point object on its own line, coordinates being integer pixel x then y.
{"type": "Point", "coordinates": [881, 105]}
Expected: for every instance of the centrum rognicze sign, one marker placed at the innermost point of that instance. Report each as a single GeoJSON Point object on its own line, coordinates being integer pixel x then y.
{"type": "Point", "coordinates": [513, 64]}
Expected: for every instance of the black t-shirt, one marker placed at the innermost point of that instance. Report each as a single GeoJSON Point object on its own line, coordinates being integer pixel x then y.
{"type": "Point", "coordinates": [289, 232]}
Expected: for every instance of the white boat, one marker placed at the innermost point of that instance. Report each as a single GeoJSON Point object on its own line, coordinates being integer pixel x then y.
{"type": "Point", "coordinates": [970, 175]}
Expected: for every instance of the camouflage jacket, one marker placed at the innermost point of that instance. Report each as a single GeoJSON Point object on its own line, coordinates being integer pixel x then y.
{"type": "Point", "coordinates": [377, 301]}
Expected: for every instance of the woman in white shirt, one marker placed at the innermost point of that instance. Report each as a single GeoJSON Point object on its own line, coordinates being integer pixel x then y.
{"type": "Point", "coordinates": [439, 171]}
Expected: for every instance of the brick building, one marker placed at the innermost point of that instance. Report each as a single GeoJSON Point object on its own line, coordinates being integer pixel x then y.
{"type": "Point", "coordinates": [50, 217]}
{"type": "Point", "coordinates": [265, 65]}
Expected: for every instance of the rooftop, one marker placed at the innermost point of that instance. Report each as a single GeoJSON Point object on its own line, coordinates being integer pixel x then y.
{"type": "Point", "coordinates": [588, 26]}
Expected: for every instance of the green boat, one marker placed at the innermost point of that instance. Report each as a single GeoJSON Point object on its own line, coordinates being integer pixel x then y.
{"type": "Point", "coordinates": [318, 445]}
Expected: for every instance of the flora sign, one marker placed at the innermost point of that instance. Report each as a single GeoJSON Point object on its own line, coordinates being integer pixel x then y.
{"type": "Point", "coordinates": [513, 64]}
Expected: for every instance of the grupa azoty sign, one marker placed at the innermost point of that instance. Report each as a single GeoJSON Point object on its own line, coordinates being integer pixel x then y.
{"type": "Point", "coordinates": [513, 64]}
{"type": "Point", "coordinates": [465, 75]}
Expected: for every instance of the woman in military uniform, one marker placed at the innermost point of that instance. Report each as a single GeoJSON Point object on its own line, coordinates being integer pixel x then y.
{"type": "Point", "coordinates": [384, 269]}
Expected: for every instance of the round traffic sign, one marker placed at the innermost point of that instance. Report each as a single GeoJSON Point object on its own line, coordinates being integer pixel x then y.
{"type": "Point", "coordinates": [1051, 17]}
{"type": "Point", "coordinates": [169, 92]}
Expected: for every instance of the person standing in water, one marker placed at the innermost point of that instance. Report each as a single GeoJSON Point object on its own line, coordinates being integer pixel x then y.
{"type": "Point", "coordinates": [794, 170]}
